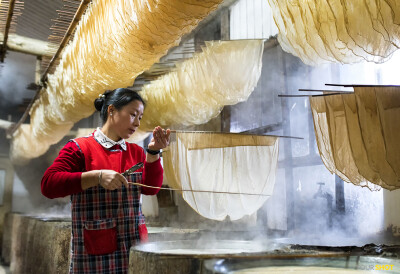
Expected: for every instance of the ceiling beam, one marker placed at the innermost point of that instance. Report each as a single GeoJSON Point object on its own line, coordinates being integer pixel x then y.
{"type": "Point", "coordinates": [4, 124]}
{"type": "Point", "coordinates": [27, 45]}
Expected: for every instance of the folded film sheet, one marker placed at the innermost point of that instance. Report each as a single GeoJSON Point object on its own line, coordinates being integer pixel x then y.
{"type": "Point", "coordinates": [221, 162]}
{"type": "Point", "coordinates": [358, 135]}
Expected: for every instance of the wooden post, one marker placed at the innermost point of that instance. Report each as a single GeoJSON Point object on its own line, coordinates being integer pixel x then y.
{"type": "Point", "coordinates": [37, 70]}
{"type": "Point", "coordinates": [339, 196]}
{"type": "Point", "coordinates": [225, 35]}
{"type": "Point", "coordinates": [8, 183]}
{"type": "Point", "coordinates": [287, 144]}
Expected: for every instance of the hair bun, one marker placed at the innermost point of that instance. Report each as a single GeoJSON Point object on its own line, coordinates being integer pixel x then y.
{"type": "Point", "coordinates": [99, 102]}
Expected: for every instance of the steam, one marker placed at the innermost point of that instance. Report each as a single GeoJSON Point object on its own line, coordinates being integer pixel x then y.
{"type": "Point", "coordinates": [316, 219]}
{"type": "Point", "coordinates": [295, 213]}
{"type": "Point", "coordinates": [15, 75]}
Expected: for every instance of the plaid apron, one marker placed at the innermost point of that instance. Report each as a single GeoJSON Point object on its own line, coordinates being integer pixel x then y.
{"type": "Point", "coordinates": [105, 224]}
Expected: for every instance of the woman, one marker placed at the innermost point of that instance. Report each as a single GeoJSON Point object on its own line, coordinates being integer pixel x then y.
{"type": "Point", "coordinates": [106, 211]}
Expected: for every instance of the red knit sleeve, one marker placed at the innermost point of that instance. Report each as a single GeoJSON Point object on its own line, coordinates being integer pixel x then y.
{"type": "Point", "coordinates": [152, 176]}
{"type": "Point", "coordinates": [63, 177]}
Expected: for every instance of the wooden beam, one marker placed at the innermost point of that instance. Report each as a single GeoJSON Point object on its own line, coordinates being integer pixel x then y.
{"type": "Point", "coordinates": [27, 45]}
{"type": "Point", "coordinates": [7, 29]}
{"type": "Point", "coordinates": [4, 124]}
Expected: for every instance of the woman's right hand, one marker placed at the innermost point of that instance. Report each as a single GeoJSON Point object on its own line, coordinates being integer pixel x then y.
{"type": "Point", "coordinates": [111, 180]}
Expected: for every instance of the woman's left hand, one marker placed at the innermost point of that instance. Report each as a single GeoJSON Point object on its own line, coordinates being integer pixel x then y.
{"type": "Point", "coordinates": [160, 138]}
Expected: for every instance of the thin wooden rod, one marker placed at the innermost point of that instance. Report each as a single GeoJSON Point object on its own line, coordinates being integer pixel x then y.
{"type": "Point", "coordinates": [328, 94]}
{"type": "Point", "coordinates": [71, 29]}
{"type": "Point", "coordinates": [202, 191]}
{"type": "Point", "coordinates": [356, 85]}
{"type": "Point", "coordinates": [7, 29]}
{"type": "Point", "coordinates": [317, 95]}
{"type": "Point", "coordinates": [237, 133]}
{"type": "Point", "coordinates": [64, 11]}
{"type": "Point", "coordinates": [293, 95]}
{"type": "Point", "coordinates": [323, 90]}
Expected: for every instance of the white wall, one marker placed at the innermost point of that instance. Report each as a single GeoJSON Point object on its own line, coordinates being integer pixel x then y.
{"type": "Point", "coordinates": [251, 19]}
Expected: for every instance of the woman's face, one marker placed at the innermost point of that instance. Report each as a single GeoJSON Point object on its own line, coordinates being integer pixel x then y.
{"type": "Point", "coordinates": [126, 120]}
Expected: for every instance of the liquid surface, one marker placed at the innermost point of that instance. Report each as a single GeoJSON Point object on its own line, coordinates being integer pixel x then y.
{"type": "Point", "coordinates": [299, 270]}
{"type": "Point", "coordinates": [204, 251]}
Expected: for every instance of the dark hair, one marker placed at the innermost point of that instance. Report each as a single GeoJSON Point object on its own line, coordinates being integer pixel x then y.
{"type": "Point", "coordinates": [118, 98]}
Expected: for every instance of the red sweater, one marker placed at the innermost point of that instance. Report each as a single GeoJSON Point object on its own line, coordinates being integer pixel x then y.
{"type": "Point", "coordinates": [63, 177]}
